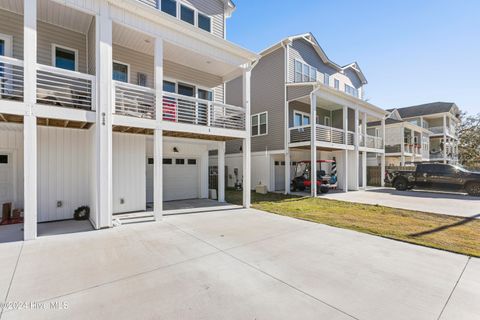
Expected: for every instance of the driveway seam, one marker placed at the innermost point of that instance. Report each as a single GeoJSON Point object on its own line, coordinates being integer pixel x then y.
{"type": "Point", "coordinates": [11, 280]}
{"type": "Point", "coordinates": [270, 275]}
{"type": "Point", "coordinates": [454, 287]}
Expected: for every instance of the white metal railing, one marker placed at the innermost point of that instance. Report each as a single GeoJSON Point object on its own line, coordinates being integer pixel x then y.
{"type": "Point", "coordinates": [65, 88]}
{"type": "Point", "coordinates": [350, 138]}
{"type": "Point", "coordinates": [11, 78]}
{"type": "Point", "coordinates": [134, 101]}
{"type": "Point", "coordinates": [436, 130]}
{"type": "Point", "coordinates": [184, 109]}
{"type": "Point", "coordinates": [361, 140]}
{"type": "Point", "coordinates": [330, 134]}
{"type": "Point", "coordinates": [374, 142]}
{"type": "Point", "coordinates": [300, 134]}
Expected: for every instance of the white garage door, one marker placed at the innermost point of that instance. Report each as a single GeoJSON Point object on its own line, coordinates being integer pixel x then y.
{"type": "Point", "coordinates": [180, 178]}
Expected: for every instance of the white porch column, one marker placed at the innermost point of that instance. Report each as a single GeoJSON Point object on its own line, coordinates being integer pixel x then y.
{"type": "Point", "coordinates": [444, 138]}
{"type": "Point", "coordinates": [103, 126]}
{"type": "Point", "coordinates": [247, 162]}
{"type": "Point", "coordinates": [158, 135]}
{"type": "Point", "coordinates": [402, 147]}
{"type": "Point", "coordinates": [288, 165]}
{"type": "Point", "coordinates": [345, 170]}
{"type": "Point", "coordinates": [221, 171]}
{"type": "Point", "coordinates": [382, 161]}
{"type": "Point", "coordinates": [364, 169]}
{"type": "Point", "coordinates": [313, 145]}
{"type": "Point", "coordinates": [345, 128]}
{"type": "Point", "coordinates": [30, 120]}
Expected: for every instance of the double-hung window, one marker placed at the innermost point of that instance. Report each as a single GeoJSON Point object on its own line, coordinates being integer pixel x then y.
{"type": "Point", "coordinates": [326, 79]}
{"type": "Point", "coordinates": [65, 58]}
{"type": "Point", "coordinates": [301, 119]}
{"type": "Point", "coordinates": [351, 90]}
{"type": "Point", "coordinates": [259, 124]}
{"type": "Point", "coordinates": [304, 72]}
{"type": "Point", "coordinates": [336, 84]}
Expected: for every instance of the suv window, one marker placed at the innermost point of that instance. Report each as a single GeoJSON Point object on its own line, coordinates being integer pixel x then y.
{"type": "Point", "coordinates": [436, 168]}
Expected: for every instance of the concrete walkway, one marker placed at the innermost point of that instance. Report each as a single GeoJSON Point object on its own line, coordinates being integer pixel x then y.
{"type": "Point", "coordinates": [235, 264]}
{"type": "Point", "coordinates": [454, 204]}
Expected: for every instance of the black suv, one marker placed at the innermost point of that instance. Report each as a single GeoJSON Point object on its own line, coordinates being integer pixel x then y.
{"type": "Point", "coordinates": [436, 176]}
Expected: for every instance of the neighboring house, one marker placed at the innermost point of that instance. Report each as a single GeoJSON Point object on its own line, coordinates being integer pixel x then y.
{"type": "Point", "coordinates": [115, 104]}
{"type": "Point", "coordinates": [306, 107]}
{"type": "Point", "coordinates": [405, 142]}
{"type": "Point", "coordinates": [442, 120]}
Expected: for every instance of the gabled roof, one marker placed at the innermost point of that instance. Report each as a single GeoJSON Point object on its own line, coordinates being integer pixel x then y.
{"type": "Point", "coordinates": [310, 38]}
{"type": "Point", "coordinates": [427, 109]}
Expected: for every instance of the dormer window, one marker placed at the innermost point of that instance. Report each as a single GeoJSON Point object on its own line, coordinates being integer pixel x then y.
{"type": "Point", "coordinates": [187, 14]}
{"type": "Point", "coordinates": [304, 72]}
{"type": "Point", "coordinates": [170, 7]}
{"type": "Point", "coordinates": [204, 22]}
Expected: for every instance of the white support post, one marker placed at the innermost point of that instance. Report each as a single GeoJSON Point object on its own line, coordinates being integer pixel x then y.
{"type": "Point", "coordinates": [345, 128]}
{"type": "Point", "coordinates": [30, 120]}
{"type": "Point", "coordinates": [103, 131]}
{"type": "Point", "coordinates": [357, 137]}
{"type": "Point", "coordinates": [402, 147]}
{"type": "Point", "coordinates": [221, 171]}
{"type": "Point", "coordinates": [364, 170]}
{"type": "Point", "coordinates": [247, 162]}
{"type": "Point", "coordinates": [382, 161]}
{"type": "Point", "coordinates": [357, 149]}
{"type": "Point", "coordinates": [158, 135]}
{"type": "Point", "coordinates": [444, 138]}
{"type": "Point", "coordinates": [345, 125]}
{"type": "Point", "coordinates": [288, 165]}
{"type": "Point", "coordinates": [313, 145]}
{"type": "Point", "coordinates": [345, 170]}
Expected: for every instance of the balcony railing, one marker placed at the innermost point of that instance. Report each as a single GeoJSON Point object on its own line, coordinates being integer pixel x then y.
{"type": "Point", "coordinates": [189, 110]}
{"type": "Point", "coordinates": [11, 78]}
{"type": "Point", "coordinates": [396, 148]}
{"type": "Point", "coordinates": [323, 134]}
{"type": "Point", "coordinates": [135, 101]}
{"type": "Point", "coordinates": [374, 142]}
{"type": "Point", "coordinates": [65, 88]}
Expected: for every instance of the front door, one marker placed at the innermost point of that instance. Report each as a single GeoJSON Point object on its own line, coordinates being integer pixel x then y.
{"type": "Point", "coordinates": [6, 178]}
{"type": "Point", "coordinates": [279, 176]}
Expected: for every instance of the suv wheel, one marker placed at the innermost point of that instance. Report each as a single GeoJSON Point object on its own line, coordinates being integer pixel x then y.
{"type": "Point", "coordinates": [473, 189]}
{"type": "Point", "coordinates": [400, 184]}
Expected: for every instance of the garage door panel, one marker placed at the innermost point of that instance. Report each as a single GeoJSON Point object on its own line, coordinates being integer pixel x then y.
{"type": "Point", "coordinates": [180, 181]}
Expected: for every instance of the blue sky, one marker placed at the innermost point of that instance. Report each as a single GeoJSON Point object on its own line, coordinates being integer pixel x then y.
{"type": "Point", "coordinates": [411, 51]}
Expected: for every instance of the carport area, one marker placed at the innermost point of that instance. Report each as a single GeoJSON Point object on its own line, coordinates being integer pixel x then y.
{"type": "Point", "coordinates": [235, 264]}
{"type": "Point", "coordinates": [454, 204]}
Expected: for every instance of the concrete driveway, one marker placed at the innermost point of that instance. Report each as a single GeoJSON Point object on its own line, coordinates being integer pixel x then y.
{"type": "Point", "coordinates": [235, 264]}
{"type": "Point", "coordinates": [454, 204]}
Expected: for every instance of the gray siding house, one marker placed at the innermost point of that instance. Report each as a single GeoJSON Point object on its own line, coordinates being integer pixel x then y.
{"type": "Point", "coordinates": [304, 107]}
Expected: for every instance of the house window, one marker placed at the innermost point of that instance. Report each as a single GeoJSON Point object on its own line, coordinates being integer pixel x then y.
{"type": "Point", "coordinates": [142, 79]}
{"type": "Point", "coordinates": [205, 94]}
{"type": "Point", "coordinates": [120, 72]}
{"type": "Point", "coordinates": [300, 119]}
{"type": "Point", "coordinates": [204, 22]}
{"type": "Point", "coordinates": [304, 72]}
{"type": "Point", "coordinates": [170, 7]}
{"type": "Point", "coordinates": [4, 158]}
{"type": "Point", "coordinates": [187, 14]}
{"type": "Point", "coordinates": [327, 122]}
{"type": "Point", "coordinates": [65, 58]}
{"type": "Point", "coordinates": [2, 47]}
{"type": "Point", "coordinates": [336, 84]}
{"type": "Point", "coordinates": [351, 91]}
{"type": "Point", "coordinates": [169, 86]}
{"type": "Point", "coordinates": [259, 124]}
{"type": "Point", "coordinates": [326, 79]}
{"type": "Point", "coordinates": [186, 90]}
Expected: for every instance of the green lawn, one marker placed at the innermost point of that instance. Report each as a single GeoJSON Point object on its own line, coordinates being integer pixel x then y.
{"type": "Point", "coordinates": [455, 234]}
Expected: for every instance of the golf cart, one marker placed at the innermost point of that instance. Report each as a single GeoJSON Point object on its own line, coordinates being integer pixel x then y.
{"type": "Point", "coordinates": [302, 181]}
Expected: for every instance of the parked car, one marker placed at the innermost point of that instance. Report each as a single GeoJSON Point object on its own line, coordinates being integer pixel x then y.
{"type": "Point", "coordinates": [436, 176]}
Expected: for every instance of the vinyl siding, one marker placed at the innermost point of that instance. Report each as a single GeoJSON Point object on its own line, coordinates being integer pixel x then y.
{"type": "Point", "coordinates": [12, 24]}
{"type": "Point", "coordinates": [303, 51]}
{"type": "Point", "coordinates": [212, 8]}
{"type": "Point", "coordinates": [268, 94]}
{"type": "Point", "coordinates": [295, 92]}
{"type": "Point", "coordinates": [63, 172]}
{"type": "Point", "coordinates": [48, 34]}
{"type": "Point", "coordinates": [139, 62]}
{"type": "Point", "coordinates": [11, 140]}
{"type": "Point", "coordinates": [91, 48]}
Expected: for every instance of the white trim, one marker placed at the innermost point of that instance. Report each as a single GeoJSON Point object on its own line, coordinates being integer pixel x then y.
{"type": "Point", "coordinates": [329, 121]}
{"type": "Point", "coordinates": [8, 39]}
{"type": "Point", "coordinates": [303, 114]}
{"type": "Point", "coordinates": [258, 124]}
{"type": "Point", "coordinates": [54, 55]}
{"type": "Point", "coordinates": [125, 64]}
{"type": "Point", "coordinates": [196, 12]}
